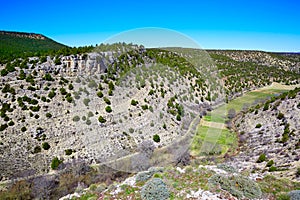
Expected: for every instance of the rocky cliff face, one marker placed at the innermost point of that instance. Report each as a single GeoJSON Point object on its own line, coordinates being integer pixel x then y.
{"type": "Point", "coordinates": [24, 35]}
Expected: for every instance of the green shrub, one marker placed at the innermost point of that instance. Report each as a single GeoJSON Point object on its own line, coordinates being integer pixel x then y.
{"type": "Point", "coordinates": [266, 107]}
{"type": "Point", "coordinates": [76, 118]}
{"type": "Point", "coordinates": [90, 114]}
{"type": "Point", "coordinates": [258, 126]}
{"type": "Point", "coordinates": [110, 93]}
{"type": "Point", "coordinates": [270, 163]}
{"type": "Point", "coordinates": [108, 109]}
{"type": "Point", "coordinates": [145, 107]}
{"type": "Point", "coordinates": [101, 119]}
{"type": "Point", "coordinates": [23, 129]}
{"type": "Point", "coordinates": [11, 123]}
{"type": "Point", "coordinates": [51, 94]}
{"type": "Point", "coordinates": [151, 92]}
{"type": "Point", "coordinates": [68, 152]}
{"type": "Point", "coordinates": [280, 116]}
{"type": "Point", "coordinates": [156, 138]}
{"type": "Point", "coordinates": [106, 100]}
{"type": "Point", "coordinates": [86, 102]}
{"type": "Point", "coordinates": [88, 122]}
{"type": "Point", "coordinates": [55, 163]}
{"type": "Point", "coordinates": [48, 115]}
{"type": "Point", "coordinates": [165, 126]}
{"type": "Point", "coordinates": [295, 194]}
{"type": "Point", "coordinates": [261, 158]}
{"type": "Point", "coordinates": [100, 94]}
{"type": "Point", "coordinates": [71, 87]}
{"type": "Point", "coordinates": [134, 102]}
{"type": "Point", "coordinates": [272, 169]}
{"type": "Point", "coordinates": [37, 149]}
{"type": "Point", "coordinates": [155, 189]}
{"type": "Point", "coordinates": [3, 127]}
{"type": "Point", "coordinates": [48, 77]}
{"type": "Point", "coordinates": [131, 130]}
{"type": "Point", "coordinates": [111, 85]}
{"type": "Point", "coordinates": [69, 99]}
{"type": "Point", "coordinates": [46, 145]}
{"type": "Point", "coordinates": [237, 185]}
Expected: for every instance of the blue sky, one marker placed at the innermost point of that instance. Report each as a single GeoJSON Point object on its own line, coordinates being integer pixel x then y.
{"type": "Point", "coordinates": [232, 24]}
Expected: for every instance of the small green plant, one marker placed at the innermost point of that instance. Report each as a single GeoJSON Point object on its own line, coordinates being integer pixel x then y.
{"type": "Point", "coordinates": [131, 130]}
{"type": "Point", "coordinates": [165, 126]}
{"type": "Point", "coordinates": [280, 116]}
{"type": "Point", "coordinates": [178, 117]}
{"type": "Point", "coordinates": [48, 115]}
{"type": "Point", "coordinates": [270, 163]}
{"type": "Point", "coordinates": [266, 107]}
{"type": "Point", "coordinates": [46, 145]}
{"type": "Point", "coordinates": [108, 109]}
{"type": "Point", "coordinates": [68, 152]}
{"type": "Point", "coordinates": [100, 94]}
{"type": "Point", "coordinates": [88, 122]}
{"type": "Point", "coordinates": [272, 169]}
{"type": "Point", "coordinates": [90, 114]}
{"type": "Point", "coordinates": [37, 149]}
{"type": "Point", "coordinates": [51, 94]}
{"type": "Point", "coordinates": [258, 126]}
{"type": "Point", "coordinates": [156, 138]}
{"type": "Point", "coordinates": [76, 118]}
{"type": "Point", "coordinates": [145, 107]}
{"type": "Point", "coordinates": [101, 119]}
{"type": "Point", "coordinates": [261, 158]}
{"type": "Point", "coordinates": [134, 102]}
{"type": "Point", "coordinates": [69, 99]}
{"type": "Point", "coordinates": [86, 102]}
{"type": "Point", "coordinates": [55, 163]}
{"type": "Point", "coordinates": [106, 100]}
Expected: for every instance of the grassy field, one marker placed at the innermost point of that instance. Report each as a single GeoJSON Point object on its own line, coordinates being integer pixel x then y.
{"type": "Point", "coordinates": [213, 140]}
{"type": "Point", "coordinates": [210, 140]}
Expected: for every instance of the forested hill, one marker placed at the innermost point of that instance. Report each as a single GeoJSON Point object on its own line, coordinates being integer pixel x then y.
{"type": "Point", "coordinates": [19, 44]}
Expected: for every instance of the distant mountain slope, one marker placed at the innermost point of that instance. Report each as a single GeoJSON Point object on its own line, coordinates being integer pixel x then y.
{"type": "Point", "coordinates": [17, 44]}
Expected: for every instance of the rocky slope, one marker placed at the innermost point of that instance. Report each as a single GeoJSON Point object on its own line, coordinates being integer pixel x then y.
{"type": "Point", "coordinates": [270, 137]}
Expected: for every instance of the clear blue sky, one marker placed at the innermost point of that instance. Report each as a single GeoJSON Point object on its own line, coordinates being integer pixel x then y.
{"type": "Point", "coordinates": [234, 24]}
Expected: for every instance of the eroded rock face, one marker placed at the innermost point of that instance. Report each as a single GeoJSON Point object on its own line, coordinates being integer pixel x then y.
{"type": "Point", "coordinates": [263, 132]}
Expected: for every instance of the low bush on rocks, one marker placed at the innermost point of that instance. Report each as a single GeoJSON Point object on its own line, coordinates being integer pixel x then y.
{"type": "Point", "coordinates": [155, 189]}
{"type": "Point", "coordinates": [237, 185]}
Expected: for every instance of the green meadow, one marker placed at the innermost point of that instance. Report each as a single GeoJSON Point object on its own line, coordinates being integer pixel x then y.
{"type": "Point", "coordinates": [210, 140]}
